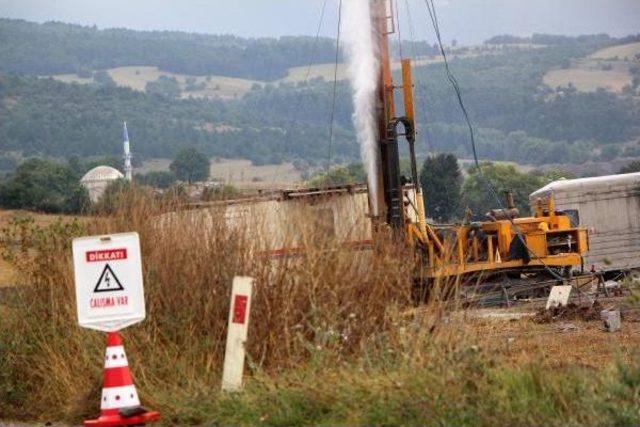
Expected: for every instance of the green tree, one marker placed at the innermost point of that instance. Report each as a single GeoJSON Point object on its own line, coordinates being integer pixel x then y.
{"type": "Point", "coordinates": [46, 186]}
{"type": "Point", "coordinates": [190, 165]}
{"type": "Point", "coordinates": [609, 152]}
{"type": "Point", "coordinates": [165, 86]}
{"type": "Point", "coordinates": [340, 175]}
{"type": "Point", "coordinates": [631, 167]}
{"type": "Point", "coordinates": [441, 183]}
{"type": "Point", "coordinates": [102, 78]}
{"type": "Point", "coordinates": [157, 179]}
{"type": "Point", "coordinates": [478, 197]}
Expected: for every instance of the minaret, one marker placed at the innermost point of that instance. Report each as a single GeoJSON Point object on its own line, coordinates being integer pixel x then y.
{"type": "Point", "coordinates": [128, 171]}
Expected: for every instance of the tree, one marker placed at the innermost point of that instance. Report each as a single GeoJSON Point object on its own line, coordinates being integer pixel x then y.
{"type": "Point", "coordinates": [609, 152]}
{"type": "Point", "coordinates": [478, 196]}
{"type": "Point", "coordinates": [43, 185]}
{"type": "Point", "coordinates": [157, 179]}
{"type": "Point", "coordinates": [102, 78]}
{"type": "Point", "coordinates": [165, 86]}
{"type": "Point", "coordinates": [340, 175]}
{"type": "Point", "coordinates": [631, 167]}
{"type": "Point", "coordinates": [190, 165]}
{"type": "Point", "coordinates": [441, 183]}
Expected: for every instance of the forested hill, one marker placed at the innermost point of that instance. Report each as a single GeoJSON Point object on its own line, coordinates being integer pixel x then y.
{"type": "Point", "coordinates": [57, 48]}
{"type": "Point", "coordinates": [519, 93]}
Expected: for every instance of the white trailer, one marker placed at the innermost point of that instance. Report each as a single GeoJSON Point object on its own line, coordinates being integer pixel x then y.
{"type": "Point", "coordinates": [609, 207]}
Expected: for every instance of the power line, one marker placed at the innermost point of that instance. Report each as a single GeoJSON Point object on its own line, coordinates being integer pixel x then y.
{"type": "Point", "coordinates": [454, 83]}
{"type": "Point", "coordinates": [312, 57]}
{"type": "Point", "coordinates": [335, 86]}
{"type": "Point", "coordinates": [315, 42]}
{"type": "Point", "coordinates": [418, 87]}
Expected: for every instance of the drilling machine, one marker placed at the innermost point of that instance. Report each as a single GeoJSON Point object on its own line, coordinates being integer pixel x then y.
{"type": "Point", "coordinates": [505, 242]}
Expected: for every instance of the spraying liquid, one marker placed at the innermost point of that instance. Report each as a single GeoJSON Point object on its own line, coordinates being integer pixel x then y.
{"type": "Point", "coordinates": [362, 70]}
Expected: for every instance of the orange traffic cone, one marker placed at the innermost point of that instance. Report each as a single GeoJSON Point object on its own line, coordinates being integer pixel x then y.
{"type": "Point", "coordinates": [120, 405]}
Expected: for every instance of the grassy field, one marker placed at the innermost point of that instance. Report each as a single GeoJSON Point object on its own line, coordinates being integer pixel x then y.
{"type": "Point", "coordinates": [607, 68]}
{"type": "Point", "coordinates": [588, 80]}
{"type": "Point", "coordinates": [625, 52]}
{"type": "Point", "coordinates": [326, 71]}
{"type": "Point", "coordinates": [137, 77]}
{"type": "Point", "coordinates": [240, 173]}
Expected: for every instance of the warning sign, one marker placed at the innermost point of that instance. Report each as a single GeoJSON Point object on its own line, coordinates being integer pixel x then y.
{"type": "Point", "coordinates": [108, 282]}
{"type": "Point", "coordinates": [108, 276]}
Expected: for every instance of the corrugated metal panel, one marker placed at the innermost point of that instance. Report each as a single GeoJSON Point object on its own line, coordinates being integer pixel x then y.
{"type": "Point", "coordinates": [609, 206]}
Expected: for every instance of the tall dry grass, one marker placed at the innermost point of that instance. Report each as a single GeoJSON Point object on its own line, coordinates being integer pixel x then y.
{"type": "Point", "coordinates": [330, 305]}
{"type": "Point", "coordinates": [334, 337]}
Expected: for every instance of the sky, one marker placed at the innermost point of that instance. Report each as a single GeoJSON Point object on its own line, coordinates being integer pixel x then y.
{"type": "Point", "coordinates": [468, 21]}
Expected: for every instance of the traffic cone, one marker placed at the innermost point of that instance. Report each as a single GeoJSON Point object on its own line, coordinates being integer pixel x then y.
{"type": "Point", "coordinates": [120, 405]}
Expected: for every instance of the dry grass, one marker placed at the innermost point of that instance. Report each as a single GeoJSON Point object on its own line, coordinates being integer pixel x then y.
{"type": "Point", "coordinates": [561, 344]}
{"type": "Point", "coordinates": [326, 71]}
{"type": "Point", "coordinates": [241, 173]}
{"type": "Point", "coordinates": [7, 271]}
{"type": "Point", "coordinates": [625, 52]}
{"type": "Point", "coordinates": [590, 73]}
{"type": "Point", "coordinates": [331, 341]}
{"type": "Point", "coordinates": [327, 301]}
{"type": "Point", "coordinates": [589, 80]}
{"type": "Point", "coordinates": [72, 78]}
{"type": "Point", "coordinates": [137, 77]}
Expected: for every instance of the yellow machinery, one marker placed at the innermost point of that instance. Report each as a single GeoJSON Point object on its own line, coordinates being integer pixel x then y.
{"type": "Point", "coordinates": [505, 242]}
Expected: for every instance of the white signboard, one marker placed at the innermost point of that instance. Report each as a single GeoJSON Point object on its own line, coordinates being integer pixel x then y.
{"type": "Point", "coordinates": [108, 275]}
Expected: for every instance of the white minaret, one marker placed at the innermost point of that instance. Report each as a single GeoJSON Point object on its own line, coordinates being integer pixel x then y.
{"type": "Point", "coordinates": [128, 171]}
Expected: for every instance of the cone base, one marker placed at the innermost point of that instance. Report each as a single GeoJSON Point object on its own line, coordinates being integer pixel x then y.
{"type": "Point", "coordinates": [119, 420]}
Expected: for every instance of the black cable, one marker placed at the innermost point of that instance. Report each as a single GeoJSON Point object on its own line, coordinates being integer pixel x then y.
{"type": "Point", "coordinates": [335, 86]}
{"type": "Point", "coordinates": [315, 42]}
{"type": "Point", "coordinates": [454, 83]}
{"type": "Point", "coordinates": [399, 30]}
{"type": "Point", "coordinates": [418, 87]}
{"type": "Point", "coordinates": [312, 56]}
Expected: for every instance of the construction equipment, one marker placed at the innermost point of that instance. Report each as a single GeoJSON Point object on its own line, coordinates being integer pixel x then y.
{"type": "Point", "coordinates": [505, 242]}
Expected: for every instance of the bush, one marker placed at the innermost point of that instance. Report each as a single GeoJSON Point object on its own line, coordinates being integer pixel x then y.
{"type": "Point", "coordinates": [157, 179]}
{"type": "Point", "coordinates": [46, 186]}
{"type": "Point", "coordinates": [631, 167]}
{"type": "Point", "coordinates": [190, 165]}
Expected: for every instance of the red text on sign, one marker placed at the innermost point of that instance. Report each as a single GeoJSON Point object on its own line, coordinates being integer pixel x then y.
{"type": "Point", "coordinates": [107, 255]}
{"type": "Point", "coordinates": [240, 309]}
{"type": "Point", "coordinates": [108, 302]}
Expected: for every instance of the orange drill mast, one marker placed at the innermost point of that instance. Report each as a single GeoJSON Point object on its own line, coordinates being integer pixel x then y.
{"type": "Point", "coordinates": [505, 242]}
{"type": "Point", "coordinates": [390, 203]}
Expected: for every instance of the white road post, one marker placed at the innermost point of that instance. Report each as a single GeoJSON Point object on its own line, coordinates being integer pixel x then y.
{"type": "Point", "coordinates": [237, 333]}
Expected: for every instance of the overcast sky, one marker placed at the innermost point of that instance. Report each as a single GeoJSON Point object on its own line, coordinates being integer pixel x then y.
{"type": "Point", "coordinates": [468, 21]}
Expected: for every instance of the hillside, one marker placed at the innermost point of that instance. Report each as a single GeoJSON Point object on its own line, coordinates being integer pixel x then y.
{"type": "Point", "coordinates": [246, 116]}
{"type": "Point", "coordinates": [57, 48]}
{"type": "Point", "coordinates": [612, 68]}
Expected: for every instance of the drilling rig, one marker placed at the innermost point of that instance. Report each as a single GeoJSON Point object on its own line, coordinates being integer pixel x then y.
{"type": "Point", "coordinates": [505, 242]}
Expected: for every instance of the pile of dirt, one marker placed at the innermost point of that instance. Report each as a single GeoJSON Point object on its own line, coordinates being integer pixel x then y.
{"type": "Point", "coordinates": [570, 312]}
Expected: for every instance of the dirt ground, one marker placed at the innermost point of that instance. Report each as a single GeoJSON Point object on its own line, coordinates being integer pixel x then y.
{"type": "Point", "coordinates": [514, 335]}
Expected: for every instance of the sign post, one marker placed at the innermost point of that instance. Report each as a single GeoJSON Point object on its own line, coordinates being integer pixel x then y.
{"type": "Point", "coordinates": [238, 327]}
{"type": "Point", "coordinates": [110, 297]}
